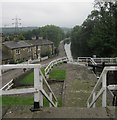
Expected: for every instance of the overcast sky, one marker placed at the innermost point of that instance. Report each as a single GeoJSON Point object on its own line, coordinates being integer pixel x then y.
{"type": "Point", "coordinates": [64, 14]}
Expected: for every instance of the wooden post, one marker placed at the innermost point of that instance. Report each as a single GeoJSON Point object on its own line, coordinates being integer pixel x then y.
{"type": "Point", "coordinates": [93, 99]}
{"type": "Point", "coordinates": [0, 72]}
{"type": "Point", "coordinates": [50, 99]}
{"type": "Point", "coordinates": [78, 59]}
{"type": "Point", "coordinates": [41, 87]}
{"type": "Point", "coordinates": [87, 104]}
{"type": "Point", "coordinates": [37, 87]}
{"type": "Point", "coordinates": [116, 59]}
{"type": "Point", "coordinates": [105, 90]}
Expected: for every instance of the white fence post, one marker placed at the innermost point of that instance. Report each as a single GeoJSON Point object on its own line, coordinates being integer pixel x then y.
{"type": "Point", "coordinates": [0, 72]}
{"type": "Point", "coordinates": [41, 87]}
{"type": "Point", "coordinates": [93, 99]}
{"type": "Point", "coordinates": [116, 59]}
{"type": "Point", "coordinates": [104, 86]}
{"type": "Point", "coordinates": [50, 99]}
{"type": "Point", "coordinates": [37, 87]}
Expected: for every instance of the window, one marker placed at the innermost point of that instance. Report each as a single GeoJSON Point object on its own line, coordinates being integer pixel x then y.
{"type": "Point", "coordinates": [17, 51]}
{"type": "Point", "coordinates": [29, 49]}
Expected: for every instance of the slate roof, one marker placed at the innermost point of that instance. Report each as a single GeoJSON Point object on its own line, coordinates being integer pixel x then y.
{"type": "Point", "coordinates": [39, 42]}
{"type": "Point", "coordinates": [16, 44]}
{"type": "Point", "coordinates": [26, 43]}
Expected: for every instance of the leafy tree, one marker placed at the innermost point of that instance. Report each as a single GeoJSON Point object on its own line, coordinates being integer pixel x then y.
{"type": "Point", "coordinates": [98, 33]}
{"type": "Point", "coordinates": [103, 37]}
{"type": "Point", "coordinates": [50, 32]}
{"type": "Point", "coordinates": [53, 33]}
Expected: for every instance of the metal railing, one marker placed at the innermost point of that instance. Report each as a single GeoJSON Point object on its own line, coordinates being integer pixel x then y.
{"type": "Point", "coordinates": [38, 89]}
{"type": "Point", "coordinates": [100, 89]}
{"type": "Point", "coordinates": [54, 62]}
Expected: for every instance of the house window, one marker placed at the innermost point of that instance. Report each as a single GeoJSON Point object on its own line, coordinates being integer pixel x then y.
{"type": "Point", "coordinates": [29, 49]}
{"type": "Point", "coordinates": [17, 51]}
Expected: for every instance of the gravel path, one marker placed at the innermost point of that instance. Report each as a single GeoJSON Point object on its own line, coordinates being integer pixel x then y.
{"type": "Point", "coordinates": [78, 85]}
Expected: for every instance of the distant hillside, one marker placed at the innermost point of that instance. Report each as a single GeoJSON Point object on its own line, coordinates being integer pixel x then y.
{"type": "Point", "coordinates": [65, 29]}
{"type": "Point", "coordinates": [11, 30]}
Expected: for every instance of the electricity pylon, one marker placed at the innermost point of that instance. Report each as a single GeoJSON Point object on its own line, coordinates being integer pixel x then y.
{"type": "Point", "coordinates": [16, 23]}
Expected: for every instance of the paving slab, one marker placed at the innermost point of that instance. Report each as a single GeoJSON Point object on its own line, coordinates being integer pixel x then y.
{"type": "Point", "coordinates": [64, 112]}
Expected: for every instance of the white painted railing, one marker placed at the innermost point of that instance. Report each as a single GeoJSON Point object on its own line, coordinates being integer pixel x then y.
{"type": "Point", "coordinates": [100, 89]}
{"type": "Point", "coordinates": [86, 60]}
{"type": "Point", "coordinates": [8, 85]}
{"type": "Point", "coordinates": [54, 62]}
{"type": "Point", "coordinates": [106, 60]}
{"type": "Point", "coordinates": [93, 61]}
{"type": "Point", "coordinates": [38, 89]}
{"type": "Point", "coordinates": [83, 59]}
{"type": "Point", "coordinates": [96, 61]}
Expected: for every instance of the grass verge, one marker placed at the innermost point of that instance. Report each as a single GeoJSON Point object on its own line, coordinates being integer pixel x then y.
{"type": "Point", "coordinates": [23, 100]}
{"type": "Point", "coordinates": [29, 78]}
{"type": "Point", "coordinates": [57, 74]}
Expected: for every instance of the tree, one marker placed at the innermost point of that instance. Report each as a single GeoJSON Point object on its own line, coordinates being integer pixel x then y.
{"type": "Point", "coordinates": [50, 32]}
{"type": "Point", "coordinates": [98, 33]}
{"type": "Point", "coordinates": [103, 37]}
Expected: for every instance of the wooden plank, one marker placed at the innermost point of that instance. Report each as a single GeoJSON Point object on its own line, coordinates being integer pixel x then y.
{"type": "Point", "coordinates": [18, 91]}
{"type": "Point", "coordinates": [98, 83]}
{"type": "Point", "coordinates": [96, 97]}
{"type": "Point", "coordinates": [48, 85]}
{"type": "Point", "coordinates": [6, 86]}
{"type": "Point", "coordinates": [12, 66]}
{"type": "Point", "coordinates": [47, 97]}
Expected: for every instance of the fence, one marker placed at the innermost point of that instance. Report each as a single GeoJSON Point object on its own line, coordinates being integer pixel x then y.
{"type": "Point", "coordinates": [54, 62]}
{"type": "Point", "coordinates": [8, 85]}
{"type": "Point", "coordinates": [38, 89]}
{"type": "Point", "coordinates": [96, 61]}
{"type": "Point", "coordinates": [106, 60]}
{"type": "Point", "coordinates": [100, 89]}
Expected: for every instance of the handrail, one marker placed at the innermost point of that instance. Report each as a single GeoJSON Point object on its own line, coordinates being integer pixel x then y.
{"type": "Point", "coordinates": [92, 61]}
{"type": "Point", "coordinates": [8, 85]}
{"type": "Point", "coordinates": [96, 97]}
{"type": "Point", "coordinates": [54, 62]}
{"type": "Point", "coordinates": [97, 84]}
{"type": "Point", "coordinates": [100, 83]}
{"type": "Point", "coordinates": [48, 85]}
{"type": "Point", "coordinates": [38, 89]}
{"type": "Point", "coordinates": [48, 98]}
{"type": "Point", "coordinates": [80, 59]}
{"type": "Point", "coordinates": [97, 60]}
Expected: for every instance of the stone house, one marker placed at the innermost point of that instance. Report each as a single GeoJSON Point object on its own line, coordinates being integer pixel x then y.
{"type": "Point", "coordinates": [21, 51]}
{"type": "Point", "coordinates": [4, 58]}
{"type": "Point", "coordinates": [18, 50]}
{"type": "Point", "coordinates": [43, 47]}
